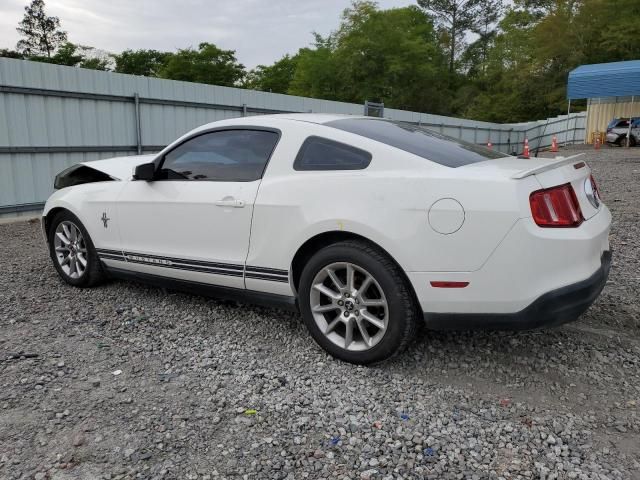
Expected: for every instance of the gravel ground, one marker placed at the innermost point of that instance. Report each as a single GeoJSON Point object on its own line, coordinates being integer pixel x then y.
{"type": "Point", "coordinates": [127, 381]}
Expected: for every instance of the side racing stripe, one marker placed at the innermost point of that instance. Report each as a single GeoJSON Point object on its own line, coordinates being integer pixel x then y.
{"type": "Point", "coordinates": [217, 268]}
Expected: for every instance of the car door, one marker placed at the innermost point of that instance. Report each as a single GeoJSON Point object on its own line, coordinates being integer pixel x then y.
{"type": "Point", "coordinates": [193, 221]}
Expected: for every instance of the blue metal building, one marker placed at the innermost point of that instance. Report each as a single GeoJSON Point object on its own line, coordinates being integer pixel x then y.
{"type": "Point", "coordinates": [612, 90]}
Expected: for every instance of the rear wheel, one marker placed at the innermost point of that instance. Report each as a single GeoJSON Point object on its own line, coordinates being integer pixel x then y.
{"type": "Point", "coordinates": [357, 303]}
{"type": "Point", "coordinates": [72, 251]}
{"type": "Point", "coordinates": [632, 141]}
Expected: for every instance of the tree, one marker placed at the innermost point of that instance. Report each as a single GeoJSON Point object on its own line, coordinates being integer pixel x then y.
{"type": "Point", "coordinates": [67, 54]}
{"type": "Point", "coordinates": [73, 55]}
{"type": "Point", "coordinates": [391, 56]}
{"type": "Point", "coordinates": [7, 53]}
{"type": "Point", "coordinates": [42, 35]}
{"type": "Point", "coordinates": [316, 73]}
{"type": "Point", "coordinates": [208, 64]}
{"type": "Point", "coordinates": [489, 11]}
{"type": "Point", "coordinates": [456, 17]}
{"type": "Point", "coordinates": [274, 78]}
{"type": "Point", "coordinates": [141, 62]}
{"type": "Point", "coordinates": [95, 63]}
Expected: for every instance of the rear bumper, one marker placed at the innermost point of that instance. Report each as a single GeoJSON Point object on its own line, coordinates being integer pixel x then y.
{"type": "Point", "coordinates": [553, 308]}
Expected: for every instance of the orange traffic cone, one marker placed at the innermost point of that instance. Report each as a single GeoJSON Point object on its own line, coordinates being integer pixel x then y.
{"type": "Point", "coordinates": [489, 145]}
{"type": "Point", "coordinates": [554, 144]}
{"type": "Point", "coordinates": [525, 153]}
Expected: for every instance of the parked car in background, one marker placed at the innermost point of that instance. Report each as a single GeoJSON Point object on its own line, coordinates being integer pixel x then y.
{"type": "Point", "coordinates": [369, 227]}
{"type": "Point", "coordinates": [619, 127]}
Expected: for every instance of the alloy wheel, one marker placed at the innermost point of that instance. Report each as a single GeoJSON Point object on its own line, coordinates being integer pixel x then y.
{"type": "Point", "coordinates": [349, 306]}
{"type": "Point", "coordinates": [70, 249]}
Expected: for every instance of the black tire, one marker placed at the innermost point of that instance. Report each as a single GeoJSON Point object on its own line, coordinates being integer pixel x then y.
{"type": "Point", "coordinates": [622, 141]}
{"type": "Point", "coordinates": [632, 141]}
{"type": "Point", "coordinates": [404, 316]}
{"type": "Point", "coordinates": [93, 273]}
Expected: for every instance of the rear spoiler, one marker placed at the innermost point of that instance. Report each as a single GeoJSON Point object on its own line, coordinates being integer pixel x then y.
{"type": "Point", "coordinates": [554, 163]}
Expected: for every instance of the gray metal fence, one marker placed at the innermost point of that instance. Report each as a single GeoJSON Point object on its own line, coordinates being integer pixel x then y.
{"type": "Point", "coordinates": [52, 117]}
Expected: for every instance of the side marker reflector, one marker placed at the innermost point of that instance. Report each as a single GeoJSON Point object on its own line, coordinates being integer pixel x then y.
{"type": "Point", "coordinates": [449, 284]}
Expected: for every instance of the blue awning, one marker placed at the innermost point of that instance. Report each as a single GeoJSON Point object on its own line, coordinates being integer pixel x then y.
{"type": "Point", "coordinates": [617, 79]}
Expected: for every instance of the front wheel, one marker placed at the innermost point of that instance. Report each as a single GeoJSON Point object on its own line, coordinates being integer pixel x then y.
{"type": "Point", "coordinates": [72, 251]}
{"type": "Point", "coordinates": [357, 303]}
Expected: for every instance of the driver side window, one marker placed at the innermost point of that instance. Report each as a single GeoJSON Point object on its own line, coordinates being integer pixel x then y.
{"type": "Point", "coordinates": [224, 155]}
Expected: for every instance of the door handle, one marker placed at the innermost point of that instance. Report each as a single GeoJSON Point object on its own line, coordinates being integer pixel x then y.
{"type": "Point", "coordinates": [233, 203]}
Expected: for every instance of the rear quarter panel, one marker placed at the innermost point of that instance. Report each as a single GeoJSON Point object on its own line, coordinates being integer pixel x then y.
{"type": "Point", "coordinates": [387, 203]}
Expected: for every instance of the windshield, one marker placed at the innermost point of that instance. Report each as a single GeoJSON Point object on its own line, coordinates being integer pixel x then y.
{"type": "Point", "coordinates": [418, 140]}
{"type": "Point", "coordinates": [612, 123]}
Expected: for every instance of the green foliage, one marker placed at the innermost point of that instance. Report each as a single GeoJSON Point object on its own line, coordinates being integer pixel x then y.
{"type": "Point", "coordinates": [316, 72]}
{"type": "Point", "coordinates": [141, 62]}
{"type": "Point", "coordinates": [41, 33]}
{"type": "Point", "coordinates": [208, 64]}
{"type": "Point", "coordinates": [67, 54]}
{"type": "Point", "coordinates": [455, 18]}
{"type": "Point", "coordinates": [380, 55]}
{"type": "Point", "coordinates": [274, 78]}
{"type": "Point", "coordinates": [72, 55]}
{"type": "Point", "coordinates": [495, 60]}
{"type": "Point", "coordinates": [7, 53]}
{"type": "Point", "coordinates": [94, 64]}
{"type": "Point", "coordinates": [537, 43]}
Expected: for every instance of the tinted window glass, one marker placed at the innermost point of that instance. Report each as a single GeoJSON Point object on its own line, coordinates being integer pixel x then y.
{"type": "Point", "coordinates": [612, 123]}
{"type": "Point", "coordinates": [226, 155]}
{"type": "Point", "coordinates": [420, 141]}
{"type": "Point", "coordinates": [319, 153]}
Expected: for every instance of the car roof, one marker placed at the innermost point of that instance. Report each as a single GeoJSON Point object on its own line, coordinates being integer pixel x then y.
{"type": "Point", "coordinates": [265, 120]}
{"type": "Point", "coordinates": [319, 118]}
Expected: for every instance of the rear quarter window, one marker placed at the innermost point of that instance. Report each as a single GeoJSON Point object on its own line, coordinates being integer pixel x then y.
{"type": "Point", "coordinates": [420, 141]}
{"type": "Point", "coordinates": [317, 153]}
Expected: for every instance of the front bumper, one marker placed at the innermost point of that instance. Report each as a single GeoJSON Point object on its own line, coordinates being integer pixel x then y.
{"type": "Point", "coordinates": [612, 137]}
{"type": "Point", "coordinates": [554, 308]}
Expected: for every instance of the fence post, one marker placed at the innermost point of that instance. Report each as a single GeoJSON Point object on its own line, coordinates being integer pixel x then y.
{"type": "Point", "coordinates": [475, 134]}
{"type": "Point", "coordinates": [136, 99]}
{"type": "Point", "coordinates": [244, 109]}
{"type": "Point", "coordinates": [630, 122]}
{"type": "Point", "coordinates": [566, 135]}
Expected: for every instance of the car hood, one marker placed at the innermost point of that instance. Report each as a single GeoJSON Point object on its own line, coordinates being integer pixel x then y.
{"type": "Point", "coordinates": [119, 168]}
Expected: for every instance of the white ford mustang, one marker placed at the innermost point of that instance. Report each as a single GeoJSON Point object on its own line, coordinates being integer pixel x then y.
{"type": "Point", "coordinates": [369, 227]}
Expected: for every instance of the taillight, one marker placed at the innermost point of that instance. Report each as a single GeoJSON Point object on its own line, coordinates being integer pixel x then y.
{"type": "Point", "coordinates": [556, 207]}
{"type": "Point", "coordinates": [594, 185]}
{"type": "Point", "coordinates": [592, 192]}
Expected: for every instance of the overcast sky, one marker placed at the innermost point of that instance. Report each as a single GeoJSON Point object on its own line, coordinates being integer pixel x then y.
{"type": "Point", "coordinates": [260, 31]}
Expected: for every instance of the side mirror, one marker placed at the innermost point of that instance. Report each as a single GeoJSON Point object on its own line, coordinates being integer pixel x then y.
{"type": "Point", "coordinates": [146, 172]}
